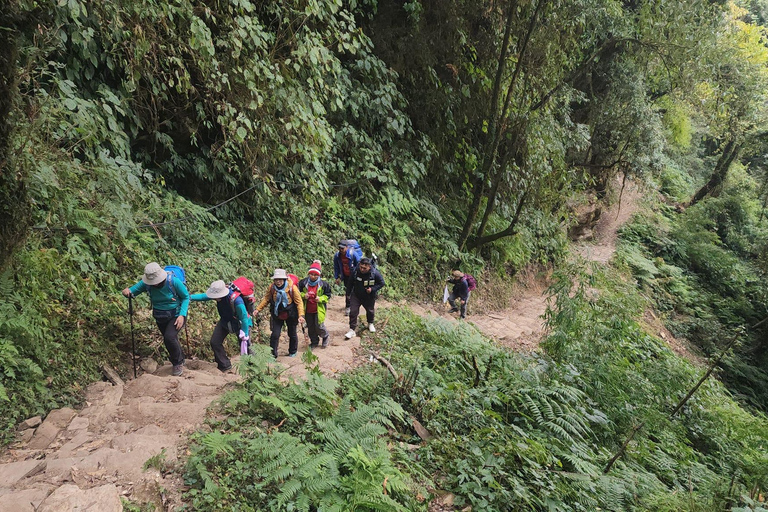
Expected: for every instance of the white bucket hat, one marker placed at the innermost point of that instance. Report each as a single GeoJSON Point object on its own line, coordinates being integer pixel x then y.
{"type": "Point", "coordinates": [154, 274]}
{"type": "Point", "coordinates": [280, 274]}
{"type": "Point", "coordinates": [217, 290]}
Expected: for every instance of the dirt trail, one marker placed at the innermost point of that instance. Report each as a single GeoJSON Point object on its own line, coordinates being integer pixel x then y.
{"type": "Point", "coordinates": [87, 460]}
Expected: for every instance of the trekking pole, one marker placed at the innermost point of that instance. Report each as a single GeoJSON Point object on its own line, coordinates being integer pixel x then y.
{"type": "Point", "coordinates": [133, 338]}
{"type": "Point", "coordinates": [304, 330]}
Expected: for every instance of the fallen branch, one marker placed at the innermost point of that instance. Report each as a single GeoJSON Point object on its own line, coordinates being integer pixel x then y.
{"type": "Point", "coordinates": [388, 365]}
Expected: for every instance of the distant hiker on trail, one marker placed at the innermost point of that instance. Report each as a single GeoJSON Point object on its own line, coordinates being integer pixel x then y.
{"type": "Point", "coordinates": [316, 294]}
{"type": "Point", "coordinates": [285, 307]}
{"type": "Point", "coordinates": [233, 318]}
{"type": "Point", "coordinates": [170, 300]}
{"type": "Point", "coordinates": [459, 294]}
{"type": "Point", "coordinates": [345, 262]}
{"type": "Point", "coordinates": [367, 281]}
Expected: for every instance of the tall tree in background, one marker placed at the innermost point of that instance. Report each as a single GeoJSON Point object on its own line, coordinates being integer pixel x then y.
{"type": "Point", "coordinates": [735, 101]}
{"type": "Point", "coordinates": [14, 212]}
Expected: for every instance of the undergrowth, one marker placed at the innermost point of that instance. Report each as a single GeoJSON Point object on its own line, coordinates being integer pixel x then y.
{"type": "Point", "coordinates": [506, 431]}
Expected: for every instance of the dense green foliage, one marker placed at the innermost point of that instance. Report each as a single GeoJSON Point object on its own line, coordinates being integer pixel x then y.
{"type": "Point", "coordinates": [706, 270]}
{"type": "Point", "coordinates": [509, 432]}
{"type": "Point", "coordinates": [234, 136]}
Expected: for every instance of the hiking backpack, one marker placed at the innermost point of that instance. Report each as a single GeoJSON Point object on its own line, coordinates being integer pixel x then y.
{"type": "Point", "coordinates": [294, 279]}
{"type": "Point", "coordinates": [471, 281]}
{"type": "Point", "coordinates": [355, 246]}
{"type": "Point", "coordinates": [244, 288]}
{"type": "Point", "coordinates": [177, 272]}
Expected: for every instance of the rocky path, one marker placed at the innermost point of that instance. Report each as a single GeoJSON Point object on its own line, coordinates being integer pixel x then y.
{"type": "Point", "coordinates": [127, 437]}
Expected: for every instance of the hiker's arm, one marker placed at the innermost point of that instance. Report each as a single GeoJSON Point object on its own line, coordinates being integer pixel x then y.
{"type": "Point", "coordinates": [183, 293]}
{"type": "Point", "coordinates": [265, 300]}
{"type": "Point", "coordinates": [136, 289]}
{"type": "Point", "coordinates": [199, 297]}
{"type": "Point", "coordinates": [337, 271]}
{"type": "Point", "coordinates": [378, 281]}
{"type": "Point", "coordinates": [242, 314]}
{"type": "Point", "coordinates": [325, 296]}
{"type": "Point", "coordinates": [298, 301]}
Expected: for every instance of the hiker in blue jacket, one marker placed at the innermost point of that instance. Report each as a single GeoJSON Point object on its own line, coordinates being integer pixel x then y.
{"type": "Point", "coordinates": [460, 293]}
{"type": "Point", "coordinates": [170, 300]}
{"type": "Point", "coordinates": [233, 318]}
{"type": "Point", "coordinates": [345, 263]}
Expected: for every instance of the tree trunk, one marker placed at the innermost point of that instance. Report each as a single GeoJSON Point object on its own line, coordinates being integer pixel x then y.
{"type": "Point", "coordinates": [509, 231]}
{"type": "Point", "coordinates": [498, 120]}
{"type": "Point", "coordinates": [730, 153]}
{"type": "Point", "coordinates": [14, 216]}
{"type": "Point", "coordinates": [479, 183]}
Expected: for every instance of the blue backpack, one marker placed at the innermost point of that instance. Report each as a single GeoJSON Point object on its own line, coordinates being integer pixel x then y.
{"type": "Point", "coordinates": [356, 249]}
{"type": "Point", "coordinates": [177, 272]}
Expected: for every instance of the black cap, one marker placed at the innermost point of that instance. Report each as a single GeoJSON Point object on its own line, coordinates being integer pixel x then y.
{"type": "Point", "coordinates": [366, 261]}
{"type": "Point", "coordinates": [342, 243]}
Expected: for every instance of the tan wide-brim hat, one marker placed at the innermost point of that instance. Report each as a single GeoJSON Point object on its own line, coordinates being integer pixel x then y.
{"type": "Point", "coordinates": [457, 274]}
{"type": "Point", "coordinates": [280, 274]}
{"type": "Point", "coordinates": [217, 290]}
{"type": "Point", "coordinates": [154, 274]}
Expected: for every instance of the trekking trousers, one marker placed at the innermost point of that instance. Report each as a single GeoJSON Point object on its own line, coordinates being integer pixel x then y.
{"type": "Point", "coordinates": [354, 309]}
{"type": "Point", "coordinates": [315, 329]}
{"type": "Point", "coordinates": [220, 333]}
{"type": "Point", "coordinates": [171, 338]}
{"type": "Point", "coordinates": [349, 282]}
{"type": "Point", "coordinates": [277, 328]}
{"type": "Point", "coordinates": [463, 309]}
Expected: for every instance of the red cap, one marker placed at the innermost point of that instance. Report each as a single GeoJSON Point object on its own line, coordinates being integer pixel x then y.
{"type": "Point", "coordinates": [315, 267]}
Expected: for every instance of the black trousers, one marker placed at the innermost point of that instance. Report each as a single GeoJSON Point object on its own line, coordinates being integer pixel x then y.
{"type": "Point", "coordinates": [348, 283]}
{"type": "Point", "coordinates": [217, 344]}
{"type": "Point", "coordinates": [277, 328]}
{"type": "Point", "coordinates": [171, 338]}
{"type": "Point", "coordinates": [354, 309]}
{"type": "Point", "coordinates": [315, 329]}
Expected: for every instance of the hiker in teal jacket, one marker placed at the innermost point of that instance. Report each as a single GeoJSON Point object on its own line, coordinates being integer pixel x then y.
{"type": "Point", "coordinates": [233, 318]}
{"type": "Point", "coordinates": [170, 300]}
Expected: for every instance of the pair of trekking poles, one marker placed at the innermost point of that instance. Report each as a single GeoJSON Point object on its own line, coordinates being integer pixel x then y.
{"type": "Point", "coordinates": [133, 336]}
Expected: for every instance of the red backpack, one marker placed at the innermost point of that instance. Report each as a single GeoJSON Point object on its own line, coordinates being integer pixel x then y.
{"type": "Point", "coordinates": [294, 279]}
{"type": "Point", "coordinates": [471, 281]}
{"type": "Point", "coordinates": [243, 287]}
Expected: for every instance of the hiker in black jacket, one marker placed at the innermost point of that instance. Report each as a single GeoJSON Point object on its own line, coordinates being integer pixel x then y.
{"type": "Point", "coordinates": [367, 282]}
{"type": "Point", "coordinates": [460, 293]}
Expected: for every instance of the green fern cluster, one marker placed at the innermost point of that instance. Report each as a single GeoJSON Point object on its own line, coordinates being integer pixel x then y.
{"type": "Point", "coordinates": [299, 446]}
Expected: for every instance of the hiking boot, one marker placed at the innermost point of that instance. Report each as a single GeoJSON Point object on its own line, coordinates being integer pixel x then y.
{"type": "Point", "coordinates": [351, 334]}
{"type": "Point", "coordinates": [292, 355]}
{"type": "Point", "coordinates": [346, 312]}
{"type": "Point", "coordinates": [453, 310]}
{"type": "Point", "coordinates": [313, 345]}
{"type": "Point", "coordinates": [325, 342]}
{"type": "Point", "coordinates": [178, 369]}
{"type": "Point", "coordinates": [371, 328]}
{"type": "Point", "coordinates": [225, 370]}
